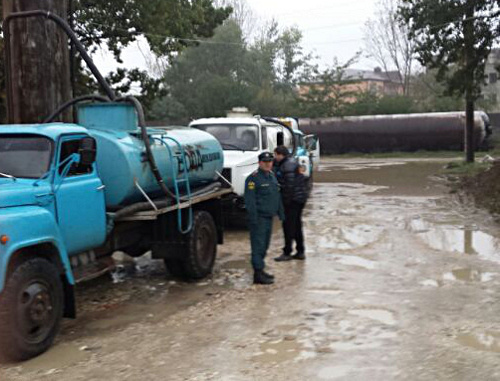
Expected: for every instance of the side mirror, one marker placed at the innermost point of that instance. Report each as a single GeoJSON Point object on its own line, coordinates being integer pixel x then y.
{"type": "Point", "coordinates": [87, 151]}
{"type": "Point", "coordinates": [311, 142]}
{"type": "Point", "coordinates": [280, 139]}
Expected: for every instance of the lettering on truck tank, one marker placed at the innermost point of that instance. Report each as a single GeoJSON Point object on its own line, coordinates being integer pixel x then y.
{"type": "Point", "coordinates": [197, 159]}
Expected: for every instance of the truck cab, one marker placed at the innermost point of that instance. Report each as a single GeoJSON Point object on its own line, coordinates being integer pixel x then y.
{"type": "Point", "coordinates": [243, 139]}
{"type": "Point", "coordinates": [42, 172]}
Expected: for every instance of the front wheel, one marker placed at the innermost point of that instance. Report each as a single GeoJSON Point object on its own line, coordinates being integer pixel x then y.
{"type": "Point", "coordinates": [31, 308]}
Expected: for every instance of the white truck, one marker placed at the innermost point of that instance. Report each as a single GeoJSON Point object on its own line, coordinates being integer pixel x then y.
{"type": "Point", "coordinates": [244, 138]}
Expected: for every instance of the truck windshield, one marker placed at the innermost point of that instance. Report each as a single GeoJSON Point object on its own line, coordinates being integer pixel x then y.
{"type": "Point", "coordinates": [234, 137]}
{"type": "Point", "coordinates": [25, 156]}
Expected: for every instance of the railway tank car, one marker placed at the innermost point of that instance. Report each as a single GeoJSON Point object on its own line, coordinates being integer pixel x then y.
{"type": "Point", "coordinates": [405, 132]}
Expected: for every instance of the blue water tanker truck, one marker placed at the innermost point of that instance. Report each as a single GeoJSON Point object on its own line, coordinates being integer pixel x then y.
{"type": "Point", "coordinates": [73, 194]}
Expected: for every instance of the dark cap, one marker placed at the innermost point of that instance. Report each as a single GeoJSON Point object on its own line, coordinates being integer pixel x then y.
{"type": "Point", "coordinates": [266, 156]}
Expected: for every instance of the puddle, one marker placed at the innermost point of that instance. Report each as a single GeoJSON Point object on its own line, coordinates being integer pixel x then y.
{"type": "Point", "coordinates": [487, 341]}
{"type": "Point", "coordinates": [325, 291]}
{"type": "Point", "coordinates": [468, 275]}
{"type": "Point", "coordinates": [352, 260]}
{"type": "Point", "coordinates": [236, 264]}
{"type": "Point", "coordinates": [58, 356]}
{"type": "Point", "coordinates": [278, 351]}
{"type": "Point", "coordinates": [334, 372]}
{"type": "Point", "coordinates": [382, 316]}
{"type": "Point", "coordinates": [410, 178]}
{"type": "Point", "coordinates": [430, 283]}
{"type": "Point", "coordinates": [455, 239]}
{"type": "Point", "coordinates": [349, 238]}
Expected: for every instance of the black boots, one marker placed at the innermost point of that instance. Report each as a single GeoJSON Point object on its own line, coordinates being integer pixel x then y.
{"type": "Point", "coordinates": [283, 258]}
{"type": "Point", "coordinates": [271, 276]}
{"type": "Point", "coordinates": [261, 277]}
{"type": "Point", "coordinates": [299, 256]}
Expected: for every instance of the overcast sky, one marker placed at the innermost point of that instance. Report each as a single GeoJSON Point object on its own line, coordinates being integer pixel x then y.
{"type": "Point", "coordinates": [331, 28]}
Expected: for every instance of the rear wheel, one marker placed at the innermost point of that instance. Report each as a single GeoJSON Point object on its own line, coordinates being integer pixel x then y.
{"type": "Point", "coordinates": [198, 257]}
{"type": "Point", "coordinates": [31, 308]}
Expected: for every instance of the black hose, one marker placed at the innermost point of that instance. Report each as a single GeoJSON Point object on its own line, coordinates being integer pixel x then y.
{"type": "Point", "coordinates": [147, 144]}
{"type": "Point", "coordinates": [71, 102]}
{"type": "Point", "coordinates": [69, 32]}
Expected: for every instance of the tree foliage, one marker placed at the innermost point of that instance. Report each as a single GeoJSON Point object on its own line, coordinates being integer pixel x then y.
{"type": "Point", "coordinates": [167, 25]}
{"type": "Point", "coordinates": [454, 37]}
{"type": "Point", "coordinates": [227, 71]}
{"type": "Point", "coordinates": [329, 91]}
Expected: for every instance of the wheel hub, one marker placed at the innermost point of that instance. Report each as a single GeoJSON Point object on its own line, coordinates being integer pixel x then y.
{"type": "Point", "coordinates": [36, 310]}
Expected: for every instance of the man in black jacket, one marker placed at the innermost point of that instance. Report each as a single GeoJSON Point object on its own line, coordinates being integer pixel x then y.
{"type": "Point", "coordinates": [294, 193]}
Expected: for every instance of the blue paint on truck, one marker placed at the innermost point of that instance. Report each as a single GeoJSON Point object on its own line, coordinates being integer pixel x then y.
{"type": "Point", "coordinates": [73, 194]}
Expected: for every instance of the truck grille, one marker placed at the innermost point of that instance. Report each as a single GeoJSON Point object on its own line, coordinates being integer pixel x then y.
{"type": "Point", "coordinates": [226, 172]}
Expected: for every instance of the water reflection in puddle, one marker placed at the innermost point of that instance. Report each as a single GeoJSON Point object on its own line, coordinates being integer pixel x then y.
{"type": "Point", "coordinates": [278, 351]}
{"type": "Point", "coordinates": [468, 275]}
{"type": "Point", "coordinates": [486, 341]}
{"type": "Point", "coordinates": [349, 237]}
{"type": "Point", "coordinates": [58, 356]}
{"type": "Point", "coordinates": [382, 316]}
{"type": "Point", "coordinates": [352, 260]}
{"type": "Point", "coordinates": [455, 239]}
{"type": "Point", "coordinates": [333, 372]}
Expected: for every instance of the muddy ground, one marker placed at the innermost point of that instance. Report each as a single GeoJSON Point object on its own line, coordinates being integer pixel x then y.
{"type": "Point", "coordinates": [401, 282]}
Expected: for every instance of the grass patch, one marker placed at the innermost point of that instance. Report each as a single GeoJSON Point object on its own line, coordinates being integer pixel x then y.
{"type": "Point", "coordinates": [400, 155]}
{"type": "Point", "coordinates": [494, 152]}
{"type": "Point", "coordinates": [463, 169]}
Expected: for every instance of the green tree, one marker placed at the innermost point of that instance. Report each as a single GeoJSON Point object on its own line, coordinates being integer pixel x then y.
{"type": "Point", "coordinates": [226, 71]}
{"type": "Point", "coordinates": [455, 37]}
{"type": "Point", "coordinates": [168, 25]}
{"type": "Point", "coordinates": [328, 92]}
{"type": "Point", "coordinates": [208, 80]}
{"type": "Point", "coordinates": [429, 95]}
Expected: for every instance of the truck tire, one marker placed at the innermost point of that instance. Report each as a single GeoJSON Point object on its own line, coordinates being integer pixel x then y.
{"type": "Point", "coordinates": [198, 258]}
{"type": "Point", "coordinates": [31, 308]}
{"type": "Point", "coordinates": [175, 268]}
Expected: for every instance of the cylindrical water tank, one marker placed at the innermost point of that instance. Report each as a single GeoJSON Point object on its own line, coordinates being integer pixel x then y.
{"type": "Point", "coordinates": [122, 162]}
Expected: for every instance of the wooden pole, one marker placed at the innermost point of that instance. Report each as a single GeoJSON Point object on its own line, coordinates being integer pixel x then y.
{"type": "Point", "coordinates": [38, 74]}
{"type": "Point", "coordinates": [469, 98]}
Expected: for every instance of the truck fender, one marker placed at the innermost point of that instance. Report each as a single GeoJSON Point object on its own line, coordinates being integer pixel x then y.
{"type": "Point", "coordinates": [30, 227]}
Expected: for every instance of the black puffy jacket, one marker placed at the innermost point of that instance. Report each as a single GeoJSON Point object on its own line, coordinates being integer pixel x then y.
{"type": "Point", "coordinates": [294, 185]}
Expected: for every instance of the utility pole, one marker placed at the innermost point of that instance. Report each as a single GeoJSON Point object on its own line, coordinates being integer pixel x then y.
{"type": "Point", "coordinates": [38, 75]}
{"type": "Point", "coordinates": [469, 96]}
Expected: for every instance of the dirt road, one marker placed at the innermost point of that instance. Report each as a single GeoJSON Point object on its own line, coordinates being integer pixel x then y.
{"type": "Point", "coordinates": [400, 283]}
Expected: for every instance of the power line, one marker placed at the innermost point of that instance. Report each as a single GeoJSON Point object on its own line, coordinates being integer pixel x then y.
{"type": "Point", "coordinates": [210, 42]}
{"type": "Point", "coordinates": [307, 11]}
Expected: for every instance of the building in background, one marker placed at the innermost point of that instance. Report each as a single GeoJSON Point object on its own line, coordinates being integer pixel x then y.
{"type": "Point", "coordinates": [491, 89]}
{"type": "Point", "coordinates": [356, 80]}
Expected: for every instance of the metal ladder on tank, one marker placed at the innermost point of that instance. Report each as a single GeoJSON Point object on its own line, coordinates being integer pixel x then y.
{"type": "Point", "coordinates": [181, 156]}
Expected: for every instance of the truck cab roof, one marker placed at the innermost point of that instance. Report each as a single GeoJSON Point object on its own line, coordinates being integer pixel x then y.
{"type": "Point", "coordinates": [50, 130]}
{"type": "Point", "coordinates": [243, 120]}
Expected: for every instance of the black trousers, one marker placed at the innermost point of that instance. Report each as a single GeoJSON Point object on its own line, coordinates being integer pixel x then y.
{"type": "Point", "coordinates": [292, 228]}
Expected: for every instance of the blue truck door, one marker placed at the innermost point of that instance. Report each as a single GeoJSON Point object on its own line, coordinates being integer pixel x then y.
{"type": "Point", "coordinates": [81, 209]}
